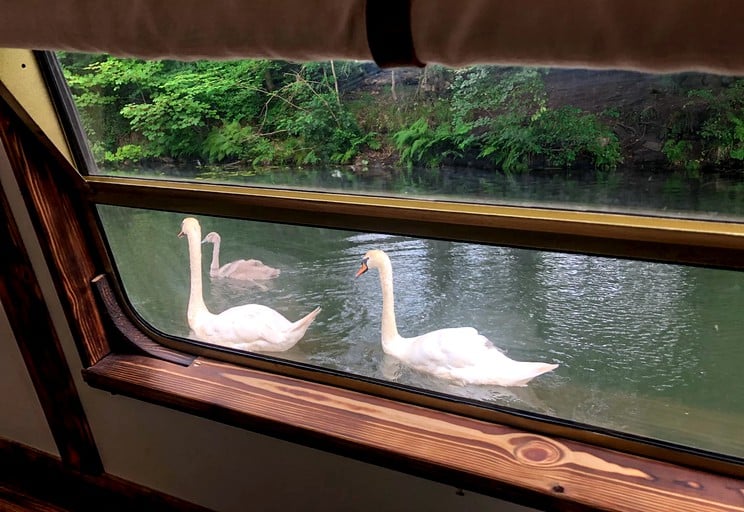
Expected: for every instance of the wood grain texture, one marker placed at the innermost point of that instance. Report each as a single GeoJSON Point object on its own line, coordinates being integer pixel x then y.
{"type": "Point", "coordinates": [47, 182]}
{"type": "Point", "coordinates": [128, 333]}
{"type": "Point", "coordinates": [12, 500]}
{"type": "Point", "coordinates": [33, 480]}
{"type": "Point", "coordinates": [42, 353]}
{"type": "Point", "coordinates": [535, 470]}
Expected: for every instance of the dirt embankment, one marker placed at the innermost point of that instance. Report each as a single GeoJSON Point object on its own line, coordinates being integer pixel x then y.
{"type": "Point", "coordinates": [639, 107]}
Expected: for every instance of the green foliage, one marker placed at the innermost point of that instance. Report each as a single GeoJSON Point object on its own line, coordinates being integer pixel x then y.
{"type": "Point", "coordinates": [509, 143]}
{"type": "Point", "coordinates": [317, 125]}
{"type": "Point", "coordinates": [127, 153]}
{"type": "Point", "coordinates": [680, 153]}
{"type": "Point", "coordinates": [273, 113]}
{"type": "Point", "coordinates": [500, 116]}
{"type": "Point", "coordinates": [611, 113]}
{"type": "Point", "coordinates": [565, 134]}
{"type": "Point", "coordinates": [421, 144]}
{"type": "Point", "coordinates": [259, 111]}
{"type": "Point", "coordinates": [720, 129]}
{"type": "Point", "coordinates": [737, 150]}
{"type": "Point", "coordinates": [229, 141]}
{"type": "Point", "coordinates": [100, 87]}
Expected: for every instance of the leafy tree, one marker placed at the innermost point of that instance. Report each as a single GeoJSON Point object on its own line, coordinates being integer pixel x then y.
{"type": "Point", "coordinates": [263, 112]}
{"type": "Point", "coordinates": [709, 131]}
{"type": "Point", "coordinates": [723, 130]}
{"type": "Point", "coordinates": [102, 86]}
{"type": "Point", "coordinates": [316, 125]}
{"type": "Point", "coordinates": [501, 116]}
{"type": "Point", "coordinates": [566, 134]}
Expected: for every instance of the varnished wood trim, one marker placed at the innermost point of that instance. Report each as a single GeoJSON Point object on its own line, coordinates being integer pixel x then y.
{"type": "Point", "coordinates": [39, 344]}
{"type": "Point", "coordinates": [12, 500]}
{"type": "Point", "coordinates": [550, 473]}
{"type": "Point", "coordinates": [699, 242]}
{"type": "Point", "coordinates": [185, 352]}
{"type": "Point", "coordinates": [129, 333]}
{"type": "Point", "coordinates": [31, 478]}
{"type": "Point", "coordinates": [51, 191]}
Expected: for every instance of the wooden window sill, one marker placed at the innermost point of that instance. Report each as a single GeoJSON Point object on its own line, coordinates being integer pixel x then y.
{"type": "Point", "coordinates": [543, 472]}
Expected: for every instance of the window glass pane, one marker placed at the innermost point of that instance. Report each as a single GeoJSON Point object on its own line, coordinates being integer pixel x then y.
{"type": "Point", "coordinates": [579, 139]}
{"type": "Point", "coordinates": [643, 348]}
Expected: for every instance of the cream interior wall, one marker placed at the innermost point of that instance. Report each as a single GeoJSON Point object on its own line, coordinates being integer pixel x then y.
{"type": "Point", "coordinates": [21, 75]}
{"type": "Point", "coordinates": [21, 416]}
{"type": "Point", "coordinates": [217, 466]}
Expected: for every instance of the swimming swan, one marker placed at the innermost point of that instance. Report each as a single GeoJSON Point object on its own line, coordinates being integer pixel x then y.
{"type": "Point", "coordinates": [248, 327]}
{"type": "Point", "coordinates": [457, 354]}
{"type": "Point", "coordinates": [245, 270]}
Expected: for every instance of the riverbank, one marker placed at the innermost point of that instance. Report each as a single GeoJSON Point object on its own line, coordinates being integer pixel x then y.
{"type": "Point", "coordinates": [507, 119]}
{"type": "Point", "coordinates": [644, 112]}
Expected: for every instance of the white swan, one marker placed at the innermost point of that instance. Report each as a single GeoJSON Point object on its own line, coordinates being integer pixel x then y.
{"type": "Point", "coordinates": [457, 354]}
{"type": "Point", "coordinates": [248, 327]}
{"type": "Point", "coordinates": [244, 270]}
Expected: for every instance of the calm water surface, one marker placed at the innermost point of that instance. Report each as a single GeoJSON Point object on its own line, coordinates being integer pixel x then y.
{"type": "Point", "coordinates": [644, 348]}
{"type": "Point", "coordinates": [719, 196]}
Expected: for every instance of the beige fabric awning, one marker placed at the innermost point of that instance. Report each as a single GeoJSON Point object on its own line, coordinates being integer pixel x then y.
{"type": "Point", "coordinates": [659, 35]}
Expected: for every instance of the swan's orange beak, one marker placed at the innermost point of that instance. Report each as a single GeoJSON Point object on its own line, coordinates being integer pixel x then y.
{"type": "Point", "coordinates": [181, 234]}
{"type": "Point", "coordinates": [362, 269]}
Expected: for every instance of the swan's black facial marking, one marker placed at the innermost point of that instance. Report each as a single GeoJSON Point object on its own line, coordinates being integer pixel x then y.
{"type": "Point", "coordinates": [363, 268]}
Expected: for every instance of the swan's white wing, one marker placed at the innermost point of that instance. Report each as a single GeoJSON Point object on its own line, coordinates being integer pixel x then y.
{"type": "Point", "coordinates": [451, 348]}
{"type": "Point", "coordinates": [229, 268]}
{"type": "Point", "coordinates": [247, 270]}
{"type": "Point", "coordinates": [251, 327]}
{"type": "Point", "coordinates": [463, 355]}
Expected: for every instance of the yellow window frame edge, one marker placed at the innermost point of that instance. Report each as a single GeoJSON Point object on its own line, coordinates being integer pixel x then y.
{"type": "Point", "coordinates": [665, 239]}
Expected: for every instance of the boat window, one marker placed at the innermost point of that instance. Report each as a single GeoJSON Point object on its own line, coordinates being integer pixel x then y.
{"type": "Point", "coordinates": [593, 140]}
{"type": "Point", "coordinates": [636, 347]}
{"type": "Point", "coordinates": [643, 344]}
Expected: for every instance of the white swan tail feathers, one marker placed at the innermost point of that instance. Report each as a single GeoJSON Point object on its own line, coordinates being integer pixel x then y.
{"type": "Point", "coordinates": [301, 325]}
{"type": "Point", "coordinates": [524, 372]}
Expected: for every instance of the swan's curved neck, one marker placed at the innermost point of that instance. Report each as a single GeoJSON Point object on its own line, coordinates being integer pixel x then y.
{"type": "Point", "coordinates": [215, 265]}
{"type": "Point", "coordinates": [196, 299]}
{"type": "Point", "coordinates": [389, 327]}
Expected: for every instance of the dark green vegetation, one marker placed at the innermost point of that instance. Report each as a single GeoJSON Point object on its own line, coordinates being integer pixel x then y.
{"type": "Point", "coordinates": [272, 113]}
